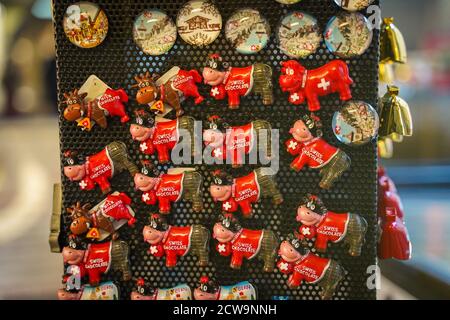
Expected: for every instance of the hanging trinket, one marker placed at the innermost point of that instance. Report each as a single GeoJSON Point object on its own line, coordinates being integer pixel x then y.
{"type": "Point", "coordinates": [247, 31]}
{"type": "Point", "coordinates": [87, 113]}
{"type": "Point", "coordinates": [85, 24]}
{"type": "Point", "coordinates": [353, 5]}
{"type": "Point", "coordinates": [348, 35]}
{"type": "Point", "coordinates": [157, 96]}
{"type": "Point", "coordinates": [241, 193]}
{"type": "Point", "coordinates": [102, 220]}
{"type": "Point", "coordinates": [395, 115]}
{"type": "Point", "coordinates": [209, 289]}
{"type": "Point", "coordinates": [317, 221]}
{"type": "Point", "coordinates": [167, 188]}
{"type": "Point", "coordinates": [309, 85]}
{"type": "Point", "coordinates": [146, 292]}
{"type": "Point", "coordinates": [99, 168]}
{"type": "Point", "coordinates": [230, 145]}
{"type": "Point", "coordinates": [302, 265]}
{"type": "Point", "coordinates": [95, 259]}
{"type": "Point", "coordinates": [154, 32]}
{"type": "Point", "coordinates": [104, 291]}
{"type": "Point", "coordinates": [356, 123]}
{"type": "Point", "coordinates": [199, 22]}
{"type": "Point", "coordinates": [392, 43]}
{"type": "Point", "coordinates": [174, 241]}
{"type": "Point", "coordinates": [299, 35]}
{"type": "Point", "coordinates": [311, 150]}
{"type": "Point", "coordinates": [235, 83]}
{"type": "Point", "coordinates": [163, 135]}
{"type": "Point", "coordinates": [241, 243]}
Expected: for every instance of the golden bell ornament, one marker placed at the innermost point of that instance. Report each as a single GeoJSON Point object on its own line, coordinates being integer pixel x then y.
{"type": "Point", "coordinates": [392, 43]}
{"type": "Point", "coordinates": [385, 148]}
{"type": "Point", "coordinates": [395, 137]}
{"type": "Point", "coordinates": [386, 73]}
{"type": "Point", "coordinates": [395, 116]}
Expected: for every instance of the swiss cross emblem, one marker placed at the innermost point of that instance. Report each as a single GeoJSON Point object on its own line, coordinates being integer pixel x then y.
{"type": "Point", "coordinates": [145, 197]}
{"type": "Point", "coordinates": [227, 206]}
{"type": "Point", "coordinates": [306, 231]}
{"type": "Point", "coordinates": [83, 184]}
{"type": "Point", "coordinates": [292, 145]}
{"type": "Point", "coordinates": [221, 247]}
{"type": "Point", "coordinates": [143, 146]}
{"type": "Point", "coordinates": [153, 249]}
{"type": "Point", "coordinates": [324, 84]}
{"type": "Point", "coordinates": [284, 266]}
{"type": "Point", "coordinates": [215, 92]}
{"type": "Point", "coordinates": [295, 97]}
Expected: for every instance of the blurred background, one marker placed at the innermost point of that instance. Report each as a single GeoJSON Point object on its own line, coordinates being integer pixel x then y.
{"type": "Point", "coordinates": [29, 151]}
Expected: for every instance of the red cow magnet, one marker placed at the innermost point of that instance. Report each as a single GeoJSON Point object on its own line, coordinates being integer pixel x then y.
{"type": "Point", "coordinates": [104, 219]}
{"type": "Point", "coordinates": [95, 259]}
{"type": "Point", "coordinates": [241, 192]}
{"type": "Point", "coordinates": [99, 168]}
{"type": "Point", "coordinates": [174, 241]}
{"type": "Point", "coordinates": [167, 188]}
{"type": "Point", "coordinates": [327, 226]}
{"type": "Point", "coordinates": [241, 243]}
{"type": "Point", "coordinates": [303, 84]}
{"type": "Point", "coordinates": [302, 265]}
{"type": "Point", "coordinates": [161, 136]}
{"type": "Point", "coordinates": [237, 82]}
{"type": "Point", "coordinates": [311, 150]}
{"type": "Point", "coordinates": [230, 145]}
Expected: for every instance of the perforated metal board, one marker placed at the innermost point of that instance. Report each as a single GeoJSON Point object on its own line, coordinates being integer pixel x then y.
{"type": "Point", "coordinates": [118, 59]}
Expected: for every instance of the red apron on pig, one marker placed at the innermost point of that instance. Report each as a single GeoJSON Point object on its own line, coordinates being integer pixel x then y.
{"type": "Point", "coordinates": [238, 142]}
{"type": "Point", "coordinates": [333, 227]}
{"type": "Point", "coordinates": [314, 154]}
{"type": "Point", "coordinates": [112, 102]}
{"type": "Point", "coordinates": [309, 268]}
{"type": "Point", "coordinates": [246, 190]}
{"type": "Point", "coordinates": [168, 189]}
{"type": "Point", "coordinates": [176, 243]}
{"type": "Point", "coordinates": [99, 169]}
{"type": "Point", "coordinates": [164, 138]}
{"type": "Point", "coordinates": [238, 82]}
{"type": "Point", "coordinates": [245, 245]}
{"type": "Point", "coordinates": [97, 260]}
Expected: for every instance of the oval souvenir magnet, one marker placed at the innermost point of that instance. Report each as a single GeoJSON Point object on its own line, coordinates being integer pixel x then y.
{"type": "Point", "coordinates": [154, 32]}
{"type": "Point", "coordinates": [353, 5]}
{"type": "Point", "coordinates": [299, 35]}
{"type": "Point", "coordinates": [356, 123]}
{"type": "Point", "coordinates": [248, 31]}
{"type": "Point", "coordinates": [199, 22]}
{"type": "Point", "coordinates": [85, 24]}
{"type": "Point", "coordinates": [288, 1]}
{"type": "Point", "coordinates": [348, 34]}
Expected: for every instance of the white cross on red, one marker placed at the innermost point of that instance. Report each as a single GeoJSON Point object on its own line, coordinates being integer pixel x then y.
{"type": "Point", "coordinates": [227, 206]}
{"type": "Point", "coordinates": [83, 184]}
{"type": "Point", "coordinates": [221, 247]}
{"type": "Point", "coordinates": [294, 97]}
{"type": "Point", "coordinates": [215, 92]}
{"type": "Point", "coordinates": [306, 231]}
{"type": "Point", "coordinates": [283, 266]}
{"type": "Point", "coordinates": [145, 197]}
{"type": "Point", "coordinates": [292, 145]}
{"type": "Point", "coordinates": [153, 249]}
{"type": "Point", "coordinates": [143, 146]}
{"type": "Point", "coordinates": [324, 84]}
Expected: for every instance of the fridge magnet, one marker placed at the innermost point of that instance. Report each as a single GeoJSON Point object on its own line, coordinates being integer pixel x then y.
{"type": "Point", "coordinates": [144, 291]}
{"type": "Point", "coordinates": [104, 291]}
{"type": "Point", "coordinates": [154, 32]}
{"type": "Point", "coordinates": [209, 289]}
{"type": "Point", "coordinates": [353, 5]}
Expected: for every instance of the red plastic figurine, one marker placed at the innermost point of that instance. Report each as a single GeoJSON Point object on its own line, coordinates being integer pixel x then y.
{"type": "Point", "coordinates": [110, 103]}
{"type": "Point", "coordinates": [144, 291]}
{"type": "Point", "coordinates": [304, 84]}
{"type": "Point", "coordinates": [303, 265]}
{"type": "Point", "coordinates": [231, 144]}
{"type": "Point", "coordinates": [394, 242]}
{"type": "Point", "coordinates": [161, 136]}
{"type": "Point", "coordinates": [174, 242]}
{"type": "Point", "coordinates": [185, 83]}
{"type": "Point", "coordinates": [237, 82]}
{"type": "Point", "coordinates": [327, 226]}
{"type": "Point", "coordinates": [240, 243]}
{"type": "Point", "coordinates": [243, 191]}
{"type": "Point", "coordinates": [167, 188]}
{"type": "Point", "coordinates": [313, 151]}
{"type": "Point", "coordinates": [97, 169]}
{"type": "Point", "coordinates": [104, 217]}
{"type": "Point", "coordinates": [96, 259]}
{"type": "Point", "coordinates": [209, 289]}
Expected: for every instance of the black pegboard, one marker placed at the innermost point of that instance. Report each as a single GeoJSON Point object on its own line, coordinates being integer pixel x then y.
{"type": "Point", "coordinates": [118, 59]}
